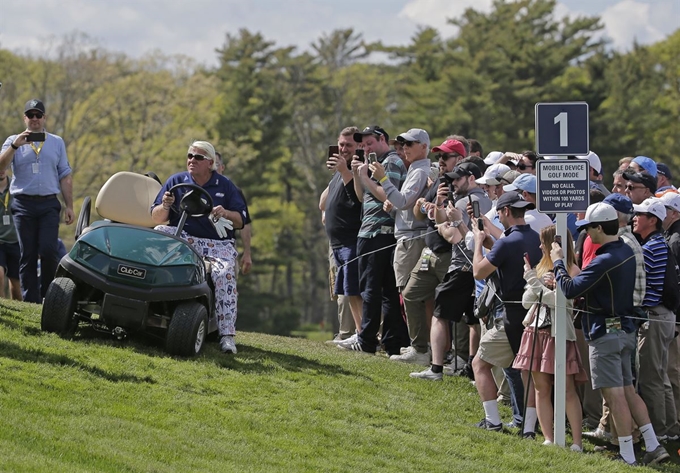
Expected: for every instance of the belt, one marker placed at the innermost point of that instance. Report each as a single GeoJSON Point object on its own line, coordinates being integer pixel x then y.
{"type": "Point", "coordinates": [35, 197]}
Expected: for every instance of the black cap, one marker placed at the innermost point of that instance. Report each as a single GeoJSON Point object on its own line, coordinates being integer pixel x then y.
{"type": "Point", "coordinates": [465, 169]}
{"type": "Point", "coordinates": [513, 199]}
{"type": "Point", "coordinates": [371, 130]}
{"type": "Point", "coordinates": [34, 104]}
{"type": "Point", "coordinates": [641, 178]}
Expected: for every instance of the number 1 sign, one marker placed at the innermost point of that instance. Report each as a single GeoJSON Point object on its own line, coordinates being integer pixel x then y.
{"type": "Point", "coordinates": [562, 129]}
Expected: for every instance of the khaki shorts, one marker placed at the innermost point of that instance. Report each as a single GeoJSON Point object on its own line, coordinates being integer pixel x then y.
{"type": "Point", "coordinates": [494, 348]}
{"type": "Point", "coordinates": [406, 257]}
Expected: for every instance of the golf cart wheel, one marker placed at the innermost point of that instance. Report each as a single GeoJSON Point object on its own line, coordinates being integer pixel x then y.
{"type": "Point", "coordinates": [59, 307]}
{"type": "Point", "coordinates": [188, 329]}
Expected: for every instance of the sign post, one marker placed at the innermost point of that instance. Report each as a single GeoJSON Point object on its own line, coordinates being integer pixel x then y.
{"type": "Point", "coordinates": [562, 188]}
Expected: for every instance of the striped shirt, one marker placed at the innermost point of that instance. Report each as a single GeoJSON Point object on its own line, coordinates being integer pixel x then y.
{"type": "Point", "coordinates": [640, 276]}
{"type": "Point", "coordinates": [374, 219]}
{"type": "Point", "coordinates": [655, 252]}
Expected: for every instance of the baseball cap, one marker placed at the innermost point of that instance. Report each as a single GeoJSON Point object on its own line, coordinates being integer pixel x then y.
{"type": "Point", "coordinates": [513, 199]}
{"type": "Point", "coordinates": [415, 134]}
{"type": "Point", "coordinates": [647, 164]}
{"type": "Point", "coordinates": [524, 182]}
{"type": "Point", "coordinates": [371, 130]}
{"type": "Point", "coordinates": [600, 212]}
{"type": "Point", "coordinates": [493, 174]}
{"type": "Point", "coordinates": [594, 161]}
{"type": "Point", "coordinates": [652, 206]}
{"type": "Point", "coordinates": [641, 178]}
{"type": "Point", "coordinates": [34, 104]}
{"type": "Point", "coordinates": [662, 169]}
{"type": "Point", "coordinates": [510, 176]}
{"type": "Point", "coordinates": [450, 146]}
{"type": "Point", "coordinates": [493, 157]}
{"type": "Point", "coordinates": [621, 203]}
{"type": "Point", "coordinates": [671, 200]}
{"type": "Point", "coordinates": [464, 169]}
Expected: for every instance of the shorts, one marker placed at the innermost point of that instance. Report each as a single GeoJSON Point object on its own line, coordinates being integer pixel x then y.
{"type": "Point", "coordinates": [406, 258]}
{"type": "Point", "coordinates": [347, 276]}
{"type": "Point", "coordinates": [610, 360]}
{"type": "Point", "coordinates": [9, 259]}
{"type": "Point", "coordinates": [494, 348]}
{"type": "Point", "coordinates": [454, 298]}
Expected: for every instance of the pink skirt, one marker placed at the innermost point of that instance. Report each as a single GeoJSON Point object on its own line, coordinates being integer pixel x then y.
{"type": "Point", "coordinates": [544, 355]}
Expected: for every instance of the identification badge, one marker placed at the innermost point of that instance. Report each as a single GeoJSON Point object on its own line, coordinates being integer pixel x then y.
{"type": "Point", "coordinates": [36, 168]}
{"type": "Point", "coordinates": [5, 220]}
{"type": "Point", "coordinates": [425, 261]}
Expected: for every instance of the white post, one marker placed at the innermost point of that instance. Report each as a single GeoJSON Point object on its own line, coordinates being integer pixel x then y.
{"type": "Point", "coordinates": [560, 321]}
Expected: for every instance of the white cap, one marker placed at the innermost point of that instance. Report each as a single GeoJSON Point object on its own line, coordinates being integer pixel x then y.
{"type": "Point", "coordinates": [493, 174]}
{"type": "Point", "coordinates": [670, 199]}
{"type": "Point", "coordinates": [653, 206]}
{"type": "Point", "coordinates": [492, 157]}
{"type": "Point", "coordinates": [594, 161]}
{"type": "Point", "coordinates": [600, 212]}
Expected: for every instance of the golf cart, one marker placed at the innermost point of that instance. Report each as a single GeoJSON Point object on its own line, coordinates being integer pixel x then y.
{"type": "Point", "coordinates": [121, 276]}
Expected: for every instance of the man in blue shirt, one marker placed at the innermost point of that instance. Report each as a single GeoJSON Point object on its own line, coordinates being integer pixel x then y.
{"type": "Point", "coordinates": [607, 284]}
{"type": "Point", "coordinates": [40, 171]}
{"type": "Point", "coordinates": [202, 233]}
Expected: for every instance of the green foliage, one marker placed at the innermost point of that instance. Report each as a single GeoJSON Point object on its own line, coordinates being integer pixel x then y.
{"type": "Point", "coordinates": [272, 111]}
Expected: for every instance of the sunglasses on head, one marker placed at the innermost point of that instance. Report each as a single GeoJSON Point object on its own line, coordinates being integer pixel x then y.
{"type": "Point", "coordinates": [34, 115]}
{"type": "Point", "coordinates": [197, 157]}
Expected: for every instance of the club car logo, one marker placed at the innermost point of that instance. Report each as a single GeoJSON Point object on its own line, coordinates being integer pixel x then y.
{"type": "Point", "coordinates": [132, 272]}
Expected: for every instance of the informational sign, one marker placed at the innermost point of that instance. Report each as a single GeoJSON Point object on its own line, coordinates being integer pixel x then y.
{"type": "Point", "coordinates": [562, 129]}
{"type": "Point", "coordinates": [563, 185]}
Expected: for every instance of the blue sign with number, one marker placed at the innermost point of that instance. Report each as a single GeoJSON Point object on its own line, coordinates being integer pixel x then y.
{"type": "Point", "coordinates": [562, 129]}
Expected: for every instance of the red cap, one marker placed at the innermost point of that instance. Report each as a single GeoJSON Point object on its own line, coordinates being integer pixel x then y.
{"type": "Point", "coordinates": [449, 146]}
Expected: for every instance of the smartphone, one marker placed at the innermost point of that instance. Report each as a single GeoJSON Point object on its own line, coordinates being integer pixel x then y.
{"type": "Point", "coordinates": [558, 240]}
{"type": "Point", "coordinates": [36, 136]}
{"type": "Point", "coordinates": [526, 258]}
{"type": "Point", "coordinates": [480, 224]}
{"type": "Point", "coordinates": [360, 154]}
{"type": "Point", "coordinates": [333, 149]}
{"type": "Point", "coordinates": [475, 209]}
{"type": "Point", "coordinates": [372, 158]}
{"type": "Point", "coordinates": [450, 197]}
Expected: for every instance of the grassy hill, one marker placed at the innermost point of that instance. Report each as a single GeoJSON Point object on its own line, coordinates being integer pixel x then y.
{"type": "Point", "coordinates": [280, 405]}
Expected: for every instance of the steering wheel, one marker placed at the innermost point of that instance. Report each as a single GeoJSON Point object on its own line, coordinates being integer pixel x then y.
{"type": "Point", "coordinates": [197, 202]}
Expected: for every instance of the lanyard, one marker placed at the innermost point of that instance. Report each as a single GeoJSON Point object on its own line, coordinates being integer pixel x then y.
{"type": "Point", "coordinates": [6, 199]}
{"type": "Point", "coordinates": [37, 150]}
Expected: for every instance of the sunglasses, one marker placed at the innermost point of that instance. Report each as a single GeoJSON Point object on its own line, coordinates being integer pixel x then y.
{"type": "Point", "coordinates": [34, 115]}
{"type": "Point", "coordinates": [447, 156]}
{"type": "Point", "coordinates": [408, 144]}
{"type": "Point", "coordinates": [631, 187]}
{"type": "Point", "coordinates": [522, 166]}
{"type": "Point", "coordinates": [197, 157]}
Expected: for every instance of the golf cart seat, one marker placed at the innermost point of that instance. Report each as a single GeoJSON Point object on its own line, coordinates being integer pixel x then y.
{"type": "Point", "coordinates": [127, 197]}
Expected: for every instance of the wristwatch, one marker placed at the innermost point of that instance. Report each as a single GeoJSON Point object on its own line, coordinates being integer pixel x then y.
{"type": "Point", "coordinates": [456, 223]}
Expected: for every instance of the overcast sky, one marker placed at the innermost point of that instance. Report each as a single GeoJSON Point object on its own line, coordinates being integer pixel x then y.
{"type": "Point", "coordinates": [196, 27]}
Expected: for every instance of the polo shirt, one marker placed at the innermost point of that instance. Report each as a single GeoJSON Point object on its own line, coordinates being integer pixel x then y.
{"type": "Point", "coordinates": [343, 213]}
{"type": "Point", "coordinates": [222, 191]}
{"type": "Point", "coordinates": [507, 254]}
{"type": "Point", "coordinates": [375, 220]}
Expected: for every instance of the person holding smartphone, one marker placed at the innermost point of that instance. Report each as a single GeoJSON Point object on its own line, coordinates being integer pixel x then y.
{"type": "Point", "coordinates": [40, 171]}
{"type": "Point", "coordinates": [342, 220]}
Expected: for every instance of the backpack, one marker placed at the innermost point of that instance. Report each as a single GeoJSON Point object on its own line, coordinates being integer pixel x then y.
{"type": "Point", "coordinates": [670, 297]}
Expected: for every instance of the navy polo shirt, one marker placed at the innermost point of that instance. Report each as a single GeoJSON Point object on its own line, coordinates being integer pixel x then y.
{"type": "Point", "coordinates": [507, 254]}
{"type": "Point", "coordinates": [222, 191]}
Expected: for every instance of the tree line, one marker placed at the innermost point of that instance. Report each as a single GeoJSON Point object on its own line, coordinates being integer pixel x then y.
{"type": "Point", "coordinates": [272, 111]}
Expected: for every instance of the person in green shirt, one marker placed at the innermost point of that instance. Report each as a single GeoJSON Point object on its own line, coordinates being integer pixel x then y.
{"type": "Point", "coordinates": [9, 244]}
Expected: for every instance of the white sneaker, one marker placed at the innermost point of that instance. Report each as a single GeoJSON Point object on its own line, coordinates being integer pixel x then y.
{"type": "Point", "coordinates": [576, 448]}
{"type": "Point", "coordinates": [428, 374]}
{"type": "Point", "coordinates": [348, 341]}
{"type": "Point", "coordinates": [227, 344]}
{"type": "Point", "coordinates": [412, 356]}
{"type": "Point", "coordinates": [599, 434]}
{"type": "Point", "coordinates": [337, 341]}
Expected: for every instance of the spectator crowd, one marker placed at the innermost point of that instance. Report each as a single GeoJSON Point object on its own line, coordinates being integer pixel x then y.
{"type": "Point", "coordinates": [449, 265]}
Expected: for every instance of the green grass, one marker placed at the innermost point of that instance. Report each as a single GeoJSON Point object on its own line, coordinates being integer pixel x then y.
{"type": "Point", "coordinates": [280, 405]}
